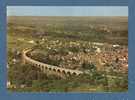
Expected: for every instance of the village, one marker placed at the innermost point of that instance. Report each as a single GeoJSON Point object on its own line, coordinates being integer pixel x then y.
{"type": "Point", "coordinates": [74, 54]}
{"type": "Point", "coordinates": [97, 47]}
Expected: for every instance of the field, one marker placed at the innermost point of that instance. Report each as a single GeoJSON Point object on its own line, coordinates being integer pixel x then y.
{"type": "Point", "coordinates": [96, 46]}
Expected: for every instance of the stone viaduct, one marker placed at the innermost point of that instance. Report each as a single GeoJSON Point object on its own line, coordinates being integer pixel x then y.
{"type": "Point", "coordinates": [46, 68]}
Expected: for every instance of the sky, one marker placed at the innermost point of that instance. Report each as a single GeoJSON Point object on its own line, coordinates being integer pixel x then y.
{"type": "Point", "coordinates": [67, 11]}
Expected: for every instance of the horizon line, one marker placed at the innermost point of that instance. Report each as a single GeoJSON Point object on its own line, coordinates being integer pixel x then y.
{"type": "Point", "coordinates": [67, 10]}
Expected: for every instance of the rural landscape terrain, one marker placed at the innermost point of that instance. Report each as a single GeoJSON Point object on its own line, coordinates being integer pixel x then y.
{"type": "Point", "coordinates": [67, 54]}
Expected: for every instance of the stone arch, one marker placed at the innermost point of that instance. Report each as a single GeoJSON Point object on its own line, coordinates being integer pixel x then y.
{"type": "Point", "coordinates": [46, 67]}
{"type": "Point", "coordinates": [63, 71]}
{"type": "Point", "coordinates": [58, 70]}
{"type": "Point", "coordinates": [42, 65]}
{"type": "Point", "coordinates": [36, 64]}
{"type": "Point", "coordinates": [69, 73]}
{"type": "Point", "coordinates": [50, 68]}
{"type": "Point", "coordinates": [39, 65]}
{"type": "Point", "coordinates": [79, 74]}
{"type": "Point", "coordinates": [74, 73]}
{"type": "Point", "coordinates": [54, 69]}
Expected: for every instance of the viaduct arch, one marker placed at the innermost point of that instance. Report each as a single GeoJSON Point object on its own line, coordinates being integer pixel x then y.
{"type": "Point", "coordinates": [46, 68]}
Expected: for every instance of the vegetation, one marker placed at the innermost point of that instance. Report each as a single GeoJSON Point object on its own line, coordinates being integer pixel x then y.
{"type": "Point", "coordinates": [29, 78]}
{"type": "Point", "coordinates": [66, 42]}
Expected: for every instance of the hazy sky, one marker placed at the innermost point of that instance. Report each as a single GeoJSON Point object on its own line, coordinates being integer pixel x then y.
{"type": "Point", "coordinates": [67, 11]}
